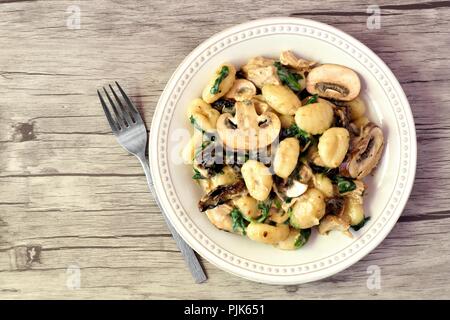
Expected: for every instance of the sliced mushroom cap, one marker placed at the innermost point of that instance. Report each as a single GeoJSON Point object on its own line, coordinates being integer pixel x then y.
{"type": "Point", "coordinates": [335, 218]}
{"type": "Point", "coordinates": [221, 194]}
{"type": "Point", "coordinates": [341, 117]}
{"type": "Point", "coordinates": [334, 82]}
{"type": "Point", "coordinates": [305, 173]}
{"type": "Point", "coordinates": [247, 130]}
{"type": "Point", "coordinates": [261, 105]}
{"type": "Point", "coordinates": [365, 152]}
{"type": "Point", "coordinates": [209, 158]}
{"type": "Point", "coordinates": [241, 90]}
{"type": "Point", "coordinates": [296, 189]}
{"type": "Point", "coordinates": [335, 206]}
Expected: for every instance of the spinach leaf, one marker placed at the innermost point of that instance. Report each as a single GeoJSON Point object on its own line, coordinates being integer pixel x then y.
{"type": "Point", "coordinates": [224, 105]}
{"type": "Point", "coordinates": [344, 184]}
{"type": "Point", "coordinates": [302, 238]}
{"type": "Point", "coordinates": [202, 147]}
{"type": "Point", "coordinates": [238, 220]}
{"type": "Point", "coordinates": [313, 99]}
{"type": "Point", "coordinates": [295, 131]}
{"type": "Point", "coordinates": [330, 172]}
{"type": "Point", "coordinates": [222, 75]}
{"type": "Point", "coordinates": [197, 175]}
{"type": "Point", "coordinates": [277, 203]}
{"type": "Point", "coordinates": [265, 210]}
{"type": "Point", "coordinates": [287, 77]}
{"type": "Point", "coordinates": [361, 224]}
{"type": "Point", "coordinates": [195, 124]}
{"type": "Point", "coordinates": [289, 212]}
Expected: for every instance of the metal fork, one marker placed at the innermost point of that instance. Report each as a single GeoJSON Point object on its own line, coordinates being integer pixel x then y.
{"type": "Point", "coordinates": [130, 131]}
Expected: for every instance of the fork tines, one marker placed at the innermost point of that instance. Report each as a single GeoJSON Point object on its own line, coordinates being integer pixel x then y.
{"type": "Point", "coordinates": [125, 113]}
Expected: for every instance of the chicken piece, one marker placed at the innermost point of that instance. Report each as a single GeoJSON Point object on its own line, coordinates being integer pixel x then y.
{"type": "Point", "coordinates": [220, 217]}
{"type": "Point", "coordinates": [289, 59]}
{"type": "Point", "coordinates": [337, 223]}
{"type": "Point", "coordinates": [261, 71]}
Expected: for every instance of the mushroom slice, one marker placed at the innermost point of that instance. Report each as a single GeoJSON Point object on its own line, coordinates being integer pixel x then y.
{"type": "Point", "coordinates": [296, 189]}
{"type": "Point", "coordinates": [335, 206]}
{"type": "Point", "coordinates": [334, 82]}
{"type": "Point", "coordinates": [305, 173]}
{"type": "Point", "coordinates": [261, 71]}
{"type": "Point", "coordinates": [241, 90]}
{"type": "Point", "coordinates": [365, 152]}
{"type": "Point", "coordinates": [335, 218]}
{"type": "Point", "coordinates": [341, 117]}
{"type": "Point", "coordinates": [288, 58]}
{"type": "Point", "coordinates": [221, 194]}
{"type": "Point", "coordinates": [261, 105]}
{"type": "Point", "coordinates": [247, 130]}
{"type": "Point", "coordinates": [209, 158]}
{"type": "Point", "coordinates": [337, 223]}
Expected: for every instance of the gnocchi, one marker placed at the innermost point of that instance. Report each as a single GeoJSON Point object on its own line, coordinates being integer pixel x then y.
{"type": "Point", "coordinates": [227, 176]}
{"type": "Point", "coordinates": [257, 178]}
{"type": "Point", "coordinates": [357, 108]}
{"type": "Point", "coordinates": [266, 233]}
{"type": "Point", "coordinates": [248, 206]}
{"type": "Point", "coordinates": [289, 242]}
{"type": "Point", "coordinates": [286, 157]}
{"type": "Point", "coordinates": [286, 120]}
{"type": "Point", "coordinates": [354, 210]}
{"type": "Point", "coordinates": [308, 210]}
{"type": "Point", "coordinates": [202, 115]}
{"type": "Point", "coordinates": [281, 99]}
{"type": "Point", "coordinates": [360, 122]}
{"type": "Point", "coordinates": [220, 83]}
{"type": "Point", "coordinates": [333, 146]}
{"type": "Point", "coordinates": [315, 118]}
{"type": "Point", "coordinates": [278, 215]}
{"type": "Point", "coordinates": [323, 183]}
{"type": "Point", "coordinates": [188, 152]}
{"type": "Point", "coordinates": [287, 164]}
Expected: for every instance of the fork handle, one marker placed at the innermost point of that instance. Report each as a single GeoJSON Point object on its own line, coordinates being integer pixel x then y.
{"type": "Point", "coordinates": [187, 252]}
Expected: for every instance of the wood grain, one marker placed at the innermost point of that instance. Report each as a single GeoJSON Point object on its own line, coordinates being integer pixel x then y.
{"type": "Point", "coordinates": [70, 195]}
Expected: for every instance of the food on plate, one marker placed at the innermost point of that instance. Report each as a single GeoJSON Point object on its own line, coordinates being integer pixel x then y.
{"type": "Point", "coordinates": [280, 147]}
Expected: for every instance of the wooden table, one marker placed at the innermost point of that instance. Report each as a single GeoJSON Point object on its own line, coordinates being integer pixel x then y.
{"type": "Point", "coordinates": [74, 203]}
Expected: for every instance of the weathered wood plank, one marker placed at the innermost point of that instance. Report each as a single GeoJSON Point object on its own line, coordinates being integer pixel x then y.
{"type": "Point", "coordinates": [68, 190]}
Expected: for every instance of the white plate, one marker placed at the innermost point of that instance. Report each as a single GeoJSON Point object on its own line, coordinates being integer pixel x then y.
{"type": "Point", "coordinates": [388, 190]}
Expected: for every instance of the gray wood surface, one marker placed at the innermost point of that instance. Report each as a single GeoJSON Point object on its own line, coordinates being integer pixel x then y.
{"type": "Point", "coordinates": [70, 197]}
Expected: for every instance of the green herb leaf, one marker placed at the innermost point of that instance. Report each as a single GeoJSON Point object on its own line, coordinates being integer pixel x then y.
{"type": "Point", "coordinates": [195, 124]}
{"type": "Point", "coordinates": [344, 184]}
{"type": "Point", "coordinates": [302, 238]}
{"type": "Point", "coordinates": [197, 175]}
{"type": "Point", "coordinates": [222, 75]}
{"type": "Point", "coordinates": [202, 147]}
{"type": "Point", "coordinates": [265, 210]}
{"type": "Point", "coordinates": [295, 131]}
{"type": "Point", "coordinates": [361, 224]}
{"type": "Point", "coordinates": [238, 220]}
{"type": "Point", "coordinates": [288, 200]}
{"type": "Point", "coordinates": [289, 212]}
{"type": "Point", "coordinates": [313, 99]}
{"type": "Point", "coordinates": [287, 77]}
{"type": "Point", "coordinates": [277, 203]}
